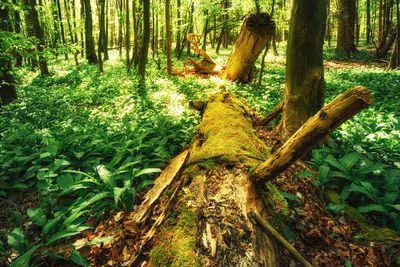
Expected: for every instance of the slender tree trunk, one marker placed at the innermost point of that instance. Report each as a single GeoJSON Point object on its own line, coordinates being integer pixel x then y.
{"type": "Point", "coordinates": [82, 27]}
{"type": "Point", "coordinates": [305, 85]}
{"type": "Point", "coordinates": [190, 25]}
{"type": "Point", "coordinates": [346, 26]}
{"type": "Point", "coordinates": [380, 26]}
{"type": "Point", "coordinates": [62, 27]}
{"type": "Point", "coordinates": [357, 30]}
{"type": "Point", "coordinates": [120, 27]}
{"type": "Point", "coordinates": [71, 34]}
{"type": "Point", "coordinates": [57, 37]}
{"type": "Point", "coordinates": [90, 51]}
{"type": "Point", "coordinates": [368, 35]}
{"type": "Point", "coordinates": [105, 30]}
{"type": "Point", "coordinates": [204, 47]}
{"type": "Point", "coordinates": [18, 56]}
{"type": "Point", "coordinates": [178, 30]}
{"type": "Point", "coordinates": [394, 62]}
{"type": "Point", "coordinates": [168, 35]}
{"type": "Point", "coordinates": [135, 49]}
{"type": "Point", "coordinates": [127, 30]}
{"type": "Point", "coordinates": [7, 86]}
{"type": "Point", "coordinates": [146, 39]}
{"type": "Point", "coordinates": [101, 27]}
{"type": "Point", "coordinates": [74, 21]}
{"type": "Point", "coordinates": [33, 19]}
{"type": "Point", "coordinates": [156, 33]}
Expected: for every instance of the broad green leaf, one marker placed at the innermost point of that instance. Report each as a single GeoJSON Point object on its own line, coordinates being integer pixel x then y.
{"type": "Point", "coordinates": [345, 193]}
{"type": "Point", "coordinates": [53, 148]}
{"type": "Point", "coordinates": [45, 155]}
{"type": "Point", "coordinates": [349, 160]}
{"type": "Point", "coordinates": [99, 240]}
{"type": "Point", "coordinates": [77, 258]}
{"type": "Point", "coordinates": [17, 241]}
{"type": "Point", "coordinates": [323, 174]}
{"type": "Point", "coordinates": [37, 216]}
{"type": "Point", "coordinates": [371, 207]}
{"type": "Point", "coordinates": [65, 181]}
{"type": "Point", "coordinates": [146, 171]}
{"type": "Point", "coordinates": [397, 206]}
{"type": "Point", "coordinates": [117, 194]}
{"type": "Point", "coordinates": [23, 260]}
{"type": "Point", "coordinates": [106, 176]}
{"type": "Point", "coordinates": [52, 224]}
{"type": "Point", "coordinates": [91, 200]}
{"type": "Point", "coordinates": [336, 208]}
{"type": "Point", "coordinates": [348, 264]}
{"type": "Point", "coordinates": [70, 231]}
{"type": "Point", "coordinates": [74, 215]}
{"type": "Point", "coordinates": [130, 197]}
{"type": "Point", "coordinates": [288, 233]}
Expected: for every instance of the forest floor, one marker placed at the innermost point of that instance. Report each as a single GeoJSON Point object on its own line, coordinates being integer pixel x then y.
{"type": "Point", "coordinates": [79, 150]}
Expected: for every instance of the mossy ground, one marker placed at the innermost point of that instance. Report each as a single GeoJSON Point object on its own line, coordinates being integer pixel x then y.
{"type": "Point", "coordinates": [368, 232]}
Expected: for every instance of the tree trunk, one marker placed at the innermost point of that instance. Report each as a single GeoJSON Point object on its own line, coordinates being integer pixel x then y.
{"type": "Point", "coordinates": [304, 85]}
{"type": "Point", "coordinates": [146, 39]}
{"type": "Point", "coordinates": [33, 19]}
{"type": "Point", "coordinates": [168, 36]}
{"type": "Point", "coordinates": [101, 28]}
{"type": "Point", "coordinates": [127, 30]}
{"type": "Point", "coordinates": [210, 198]}
{"type": "Point", "coordinates": [7, 86]}
{"type": "Point", "coordinates": [83, 50]}
{"type": "Point", "coordinates": [178, 30]}
{"type": "Point", "coordinates": [190, 26]}
{"type": "Point", "coordinates": [368, 34]}
{"type": "Point", "coordinates": [17, 17]}
{"type": "Point", "coordinates": [346, 26]}
{"type": "Point", "coordinates": [256, 31]}
{"type": "Point", "coordinates": [204, 47]}
{"type": "Point", "coordinates": [380, 26]}
{"type": "Point", "coordinates": [90, 51]}
{"type": "Point", "coordinates": [314, 130]}
{"type": "Point", "coordinates": [62, 27]}
{"type": "Point", "coordinates": [120, 27]}
{"type": "Point", "coordinates": [71, 34]}
{"type": "Point", "coordinates": [105, 31]}
{"type": "Point", "coordinates": [395, 57]}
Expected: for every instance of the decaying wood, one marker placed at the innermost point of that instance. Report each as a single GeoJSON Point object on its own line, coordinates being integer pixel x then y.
{"type": "Point", "coordinates": [267, 227]}
{"type": "Point", "coordinates": [218, 198]}
{"type": "Point", "coordinates": [207, 64]}
{"type": "Point", "coordinates": [256, 31]}
{"type": "Point", "coordinates": [267, 119]}
{"type": "Point", "coordinates": [313, 130]}
{"type": "Point", "coordinates": [160, 184]}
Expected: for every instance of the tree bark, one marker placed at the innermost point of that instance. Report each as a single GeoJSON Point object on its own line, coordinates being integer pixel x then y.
{"type": "Point", "coordinates": [274, 112]}
{"type": "Point", "coordinates": [105, 30]}
{"type": "Point", "coordinates": [73, 40]}
{"type": "Point", "coordinates": [168, 36]}
{"type": "Point", "coordinates": [368, 33]}
{"type": "Point", "coordinates": [394, 62]}
{"type": "Point", "coordinates": [33, 19]}
{"type": "Point", "coordinates": [313, 130]}
{"type": "Point", "coordinates": [256, 31]}
{"type": "Point", "coordinates": [90, 51]}
{"type": "Point", "coordinates": [101, 28]}
{"type": "Point", "coordinates": [211, 226]}
{"type": "Point", "coordinates": [178, 30]}
{"type": "Point", "coordinates": [304, 85]}
{"type": "Point", "coordinates": [62, 27]}
{"type": "Point", "coordinates": [380, 26]}
{"type": "Point", "coordinates": [146, 39]}
{"type": "Point", "coordinates": [127, 30]}
{"type": "Point", "coordinates": [7, 86]}
{"type": "Point", "coordinates": [346, 26]}
{"type": "Point", "coordinates": [18, 56]}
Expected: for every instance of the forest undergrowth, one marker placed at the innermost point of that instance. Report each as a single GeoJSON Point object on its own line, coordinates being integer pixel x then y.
{"type": "Point", "coordinates": [83, 144]}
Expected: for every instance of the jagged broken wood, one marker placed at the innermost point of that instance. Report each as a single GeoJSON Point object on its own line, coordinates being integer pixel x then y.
{"type": "Point", "coordinates": [313, 130]}
{"type": "Point", "coordinates": [256, 31]}
{"type": "Point", "coordinates": [267, 119]}
{"type": "Point", "coordinates": [207, 64]}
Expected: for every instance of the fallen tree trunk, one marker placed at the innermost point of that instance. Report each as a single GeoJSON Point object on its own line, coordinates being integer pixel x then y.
{"type": "Point", "coordinates": [208, 222]}
{"type": "Point", "coordinates": [314, 130]}
{"type": "Point", "coordinates": [267, 119]}
{"type": "Point", "coordinates": [197, 212]}
{"type": "Point", "coordinates": [256, 31]}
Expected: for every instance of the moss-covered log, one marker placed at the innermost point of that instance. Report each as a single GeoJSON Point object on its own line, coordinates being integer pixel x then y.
{"type": "Point", "coordinates": [208, 223]}
{"type": "Point", "coordinates": [256, 31]}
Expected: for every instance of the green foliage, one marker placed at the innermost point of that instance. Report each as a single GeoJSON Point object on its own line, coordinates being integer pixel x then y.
{"type": "Point", "coordinates": [85, 143]}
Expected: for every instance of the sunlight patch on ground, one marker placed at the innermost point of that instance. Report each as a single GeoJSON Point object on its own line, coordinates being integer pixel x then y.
{"type": "Point", "coordinates": [173, 101]}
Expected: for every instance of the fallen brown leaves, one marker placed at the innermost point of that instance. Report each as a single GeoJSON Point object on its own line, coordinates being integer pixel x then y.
{"type": "Point", "coordinates": [322, 238]}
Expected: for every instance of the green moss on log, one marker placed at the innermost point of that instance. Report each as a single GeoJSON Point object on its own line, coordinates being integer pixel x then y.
{"type": "Point", "coordinates": [226, 128]}
{"type": "Point", "coordinates": [176, 242]}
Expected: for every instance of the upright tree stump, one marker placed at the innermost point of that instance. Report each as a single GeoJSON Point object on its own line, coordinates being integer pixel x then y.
{"type": "Point", "coordinates": [256, 31]}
